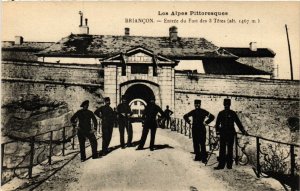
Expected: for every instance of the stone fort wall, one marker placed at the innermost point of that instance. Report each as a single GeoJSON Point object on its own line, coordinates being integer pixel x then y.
{"type": "Point", "coordinates": [262, 105]}
{"type": "Point", "coordinates": [70, 83]}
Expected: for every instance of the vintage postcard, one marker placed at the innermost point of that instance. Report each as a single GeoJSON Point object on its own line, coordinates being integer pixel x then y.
{"type": "Point", "coordinates": [150, 95]}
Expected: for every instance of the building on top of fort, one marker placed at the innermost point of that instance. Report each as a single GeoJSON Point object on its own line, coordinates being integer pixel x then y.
{"type": "Point", "coordinates": [192, 53]}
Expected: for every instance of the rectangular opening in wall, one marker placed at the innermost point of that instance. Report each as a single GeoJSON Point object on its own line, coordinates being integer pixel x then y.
{"type": "Point", "coordinates": [139, 69]}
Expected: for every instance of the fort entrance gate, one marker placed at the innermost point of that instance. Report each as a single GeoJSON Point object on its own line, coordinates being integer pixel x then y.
{"type": "Point", "coordinates": [140, 75]}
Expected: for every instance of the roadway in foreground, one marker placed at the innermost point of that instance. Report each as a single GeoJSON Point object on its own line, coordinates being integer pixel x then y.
{"type": "Point", "coordinates": [169, 167]}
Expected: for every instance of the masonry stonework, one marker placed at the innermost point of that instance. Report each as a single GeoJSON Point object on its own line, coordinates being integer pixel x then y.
{"type": "Point", "coordinates": [263, 106]}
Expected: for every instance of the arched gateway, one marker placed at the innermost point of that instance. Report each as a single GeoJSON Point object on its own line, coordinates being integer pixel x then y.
{"type": "Point", "coordinates": [140, 75]}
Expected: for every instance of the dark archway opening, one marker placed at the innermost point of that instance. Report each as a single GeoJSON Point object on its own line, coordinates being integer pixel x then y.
{"type": "Point", "coordinates": [139, 91]}
{"type": "Point", "coordinates": [138, 97]}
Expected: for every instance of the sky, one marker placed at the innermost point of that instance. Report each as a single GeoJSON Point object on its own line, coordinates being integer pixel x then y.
{"type": "Point", "coordinates": [51, 21]}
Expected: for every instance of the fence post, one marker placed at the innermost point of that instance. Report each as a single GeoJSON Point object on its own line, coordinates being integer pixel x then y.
{"type": "Point", "coordinates": [31, 157]}
{"type": "Point", "coordinates": [181, 129]}
{"type": "Point", "coordinates": [292, 160]}
{"type": "Point", "coordinates": [258, 156]}
{"type": "Point", "coordinates": [209, 138]}
{"type": "Point", "coordinates": [74, 135]}
{"type": "Point", "coordinates": [50, 148]}
{"type": "Point", "coordinates": [185, 131]}
{"type": "Point", "coordinates": [236, 150]}
{"type": "Point", "coordinates": [190, 134]}
{"type": "Point", "coordinates": [2, 159]}
{"type": "Point", "coordinates": [178, 125]}
{"type": "Point", "coordinates": [63, 143]}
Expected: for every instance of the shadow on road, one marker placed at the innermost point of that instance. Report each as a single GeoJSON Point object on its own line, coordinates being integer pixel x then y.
{"type": "Point", "coordinates": [165, 146]}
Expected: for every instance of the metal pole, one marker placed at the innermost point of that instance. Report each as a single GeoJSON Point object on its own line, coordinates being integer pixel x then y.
{"type": "Point", "coordinates": [50, 148]}
{"type": "Point", "coordinates": [258, 156]}
{"type": "Point", "coordinates": [2, 159]}
{"type": "Point", "coordinates": [292, 160]}
{"type": "Point", "coordinates": [31, 157]}
{"type": "Point", "coordinates": [236, 150]}
{"type": "Point", "coordinates": [181, 129]}
{"type": "Point", "coordinates": [64, 138]}
{"type": "Point", "coordinates": [291, 65]}
{"type": "Point", "coordinates": [190, 134]}
{"type": "Point", "coordinates": [73, 141]}
{"type": "Point", "coordinates": [209, 138]}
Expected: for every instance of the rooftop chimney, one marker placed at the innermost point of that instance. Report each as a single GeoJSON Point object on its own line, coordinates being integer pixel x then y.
{"type": "Point", "coordinates": [81, 17]}
{"type": "Point", "coordinates": [127, 31]}
{"type": "Point", "coordinates": [18, 40]}
{"type": "Point", "coordinates": [173, 33]}
{"type": "Point", "coordinates": [253, 46]}
{"type": "Point", "coordinates": [83, 29]}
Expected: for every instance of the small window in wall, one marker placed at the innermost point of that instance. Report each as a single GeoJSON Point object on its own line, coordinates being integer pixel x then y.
{"type": "Point", "coordinates": [123, 70]}
{"type": "Point", "coordinates": [154, 70]}
{"type": "Point", "coordinates": [139, 69]}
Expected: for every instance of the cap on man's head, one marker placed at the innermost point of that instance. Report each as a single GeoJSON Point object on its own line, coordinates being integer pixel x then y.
{"type": "Point", "coordinates": [106, 99]}
{"type": "Point", "coordinates": [86, 102]}
{"type": "Point", "coordinates": [197, 101]}
{"type": "Point", "coordinates": [227, 101]}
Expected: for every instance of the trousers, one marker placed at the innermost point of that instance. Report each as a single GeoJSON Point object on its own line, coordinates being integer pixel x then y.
{"type": "Point", "coordinates": [199, 139]}
{"type": "Point", "coordinates": [125, 124]}
{"type": "Point", "coordinates": [93, 141]}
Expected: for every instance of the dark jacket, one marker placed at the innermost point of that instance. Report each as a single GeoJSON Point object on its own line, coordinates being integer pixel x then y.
{"type": "Point", "coordinates": [225, 122]}
{"type": "Point", "coordinates": [150, 113]}
{"type": "Point", "coordinates": [199, 116]}
{"type": "Point", "coordinates": [85, 117]}
{"type": "Point", "coordinates": [107, 114]}
{"type": "Point", "coordinates": [123, 111]}
{"type": "Point", "coordinates": [168, 113]}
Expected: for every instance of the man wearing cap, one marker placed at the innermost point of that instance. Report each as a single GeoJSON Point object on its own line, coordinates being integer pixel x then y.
{"type": "Point", "coordinates": [107, 114]}
{"type": "Point", "coordinates": [198, 129]}
{"type": "Point", "coordinates": [85, 116]}
{"type": "Point", "coordinates": [149, 118]}
{"type": "Point", "coordinates": [225, 127]}
{"type": "Point", "coordinates": [124, 112]}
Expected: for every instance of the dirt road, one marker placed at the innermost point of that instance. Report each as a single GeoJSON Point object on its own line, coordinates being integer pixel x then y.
{"type": "Point", "coordinates": [169, 167]}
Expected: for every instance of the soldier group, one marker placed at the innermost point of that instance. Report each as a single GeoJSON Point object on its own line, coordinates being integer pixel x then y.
{"type": "Point", "coordinates": [200, 118]}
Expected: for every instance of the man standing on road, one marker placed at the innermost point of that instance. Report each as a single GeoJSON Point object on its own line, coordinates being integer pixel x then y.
{"type": "Point", "coordinates": [124, 112]}
{"type": "Point", "coordinates": [168, 114]}
{"type": "Point", "coordinates": [85, 130]}
{"type": "Point", "coordinates": [225, 127]}
{"type": "Point", "coordinates": [149, 118]}
{"type": "Point", "coordinates": [198, 129]}
{"type": "Point", "coordinates": [108, 117]}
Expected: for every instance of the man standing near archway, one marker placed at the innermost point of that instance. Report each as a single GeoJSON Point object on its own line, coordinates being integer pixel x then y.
{"type": "Point", "coordinates": [124, 112]}
{"type": "Point", "coordinates": [107, 115]}
{"type": "Point", "coordinates": [198, 129]}
{"type": "Point", "coordinates": [149, 118]}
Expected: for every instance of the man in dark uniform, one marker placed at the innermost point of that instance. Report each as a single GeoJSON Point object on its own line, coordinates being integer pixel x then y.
{"type": "Point", "coordinates": [199, 130]}
{"type": "Point", "coordinates": [168, 114]}
{"type": "Point", "coordinates": [124, 112]}
{"type": "Point", "coordinates": [108, 117]}
{"type": "Point", "coordinates": [85, 116]}
{"type": "Point", "coordinates": [225, 127]}
{"type": "Point", "coordinates": [149, 118]}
